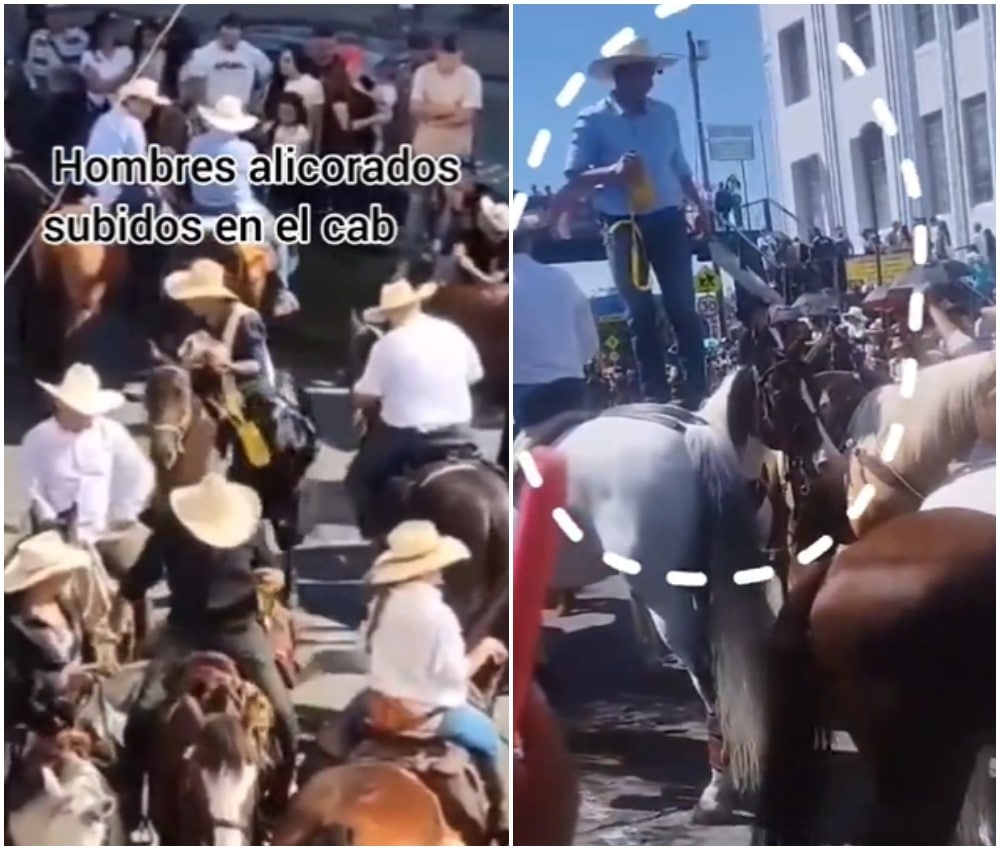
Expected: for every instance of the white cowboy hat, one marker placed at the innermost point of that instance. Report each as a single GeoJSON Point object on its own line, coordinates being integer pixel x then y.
{"type": "Point", "coordinates": [143, 88]}
{"type": "Point", "coordinates": [633, 53]}
{"type": "Point", "coordinates": [202, 279]}
{"type": "Point", "coordinates": [855, 314]}
{"type": "Point", "coordinates": [496, 214]}
{"type": "Point", "coordinates": [398, 295]}
{"type": "Point", "coordinates": [80, 390]}
{"type": "Point", "coordinates": [416, 548]}
{"type": "Point", "coordinates": [42, 557]}
{"type": "Point", "coordinates": [217, 512]}
{"type": "Point", "coordinates": [228, 115]}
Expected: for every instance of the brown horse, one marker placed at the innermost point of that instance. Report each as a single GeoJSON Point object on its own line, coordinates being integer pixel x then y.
{"type": "Point", "coordinates": [895, 621]}
{"type": "Point", "coordinates": [483, 312]}
{"type": "Point", "coordinates": [546, 785]}
{"type": "Point", "coordinates": [212, 756]}
{"type": "Point", "coordinates": [467, 500]}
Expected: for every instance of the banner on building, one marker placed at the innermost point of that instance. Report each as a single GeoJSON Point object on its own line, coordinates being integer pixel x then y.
{"type": "Point", "coordinates": [862, 272]}
{"type": "Point", "coordinates": [730, 143]}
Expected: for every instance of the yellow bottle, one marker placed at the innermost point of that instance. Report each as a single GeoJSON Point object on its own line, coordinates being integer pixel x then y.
{"type": "Point", "coordinates": [641, 193]}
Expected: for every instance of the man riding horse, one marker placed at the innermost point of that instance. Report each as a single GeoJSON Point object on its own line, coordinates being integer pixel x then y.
{"type": "Point", "coordinates": [211, 552]}
{"type": "Point", "coordinates": [418, 378]}
{"type": "Point", "coordinates": [86, 475]}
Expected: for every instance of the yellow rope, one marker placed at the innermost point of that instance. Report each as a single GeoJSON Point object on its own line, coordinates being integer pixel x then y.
{"type": "Point", "coordinates": [638, 263]}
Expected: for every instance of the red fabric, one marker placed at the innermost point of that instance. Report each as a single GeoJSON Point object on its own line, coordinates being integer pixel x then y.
{"type": "Point", "coordinates": [354, 58]}
{"type": "Point", "coordinates": [536, 546]}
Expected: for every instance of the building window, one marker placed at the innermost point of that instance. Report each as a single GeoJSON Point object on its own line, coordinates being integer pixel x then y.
{"type": "Point", "coordinates": [936, 188]}
{"type": "Point", "coordinates": [856, 30]}
{"type": "Point", "coordinates": [964, 13]}
{"type": "Point", "coordinates": [794, 59]}
{"type": "Point", "coordinates": [871, 175]}
{"type": "Point", "coordinates": [978, 159]}
{"type": "Point", "coordinates": [923, 23]}
{"type": "Point", "coordinates": [807, 187]}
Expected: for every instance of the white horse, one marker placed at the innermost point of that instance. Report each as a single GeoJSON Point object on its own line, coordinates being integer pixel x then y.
{"type": "Point", "coordinates": [668, 507]}
{"type": "Point", "coordinates": [74, 808]}
{"type": "Point", "coordinates": [975, 488]}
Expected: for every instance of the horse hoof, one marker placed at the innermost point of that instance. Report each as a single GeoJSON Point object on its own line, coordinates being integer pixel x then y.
{"type": "Point", "coordinates": [712, 816]}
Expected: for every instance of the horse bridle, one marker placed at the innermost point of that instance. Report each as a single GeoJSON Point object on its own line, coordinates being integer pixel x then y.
{"type": "Point", "coordinates": [181, 428]}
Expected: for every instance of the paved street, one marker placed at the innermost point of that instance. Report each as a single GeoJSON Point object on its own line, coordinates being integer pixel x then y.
{"type": "Point", "coordinates": [639, 735]}
{"type": "Point", "coordinates": [330, 563]}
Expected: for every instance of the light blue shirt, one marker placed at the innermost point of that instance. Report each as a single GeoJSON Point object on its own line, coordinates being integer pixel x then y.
{"type": "Point", "coordinates": [552, 327]}
{"type": "Point", "coordinates": [115, 133]}
{"type": "Point", "coordinates": [603, 134]}
{"type": "Point", "coordinates": [215, 143]}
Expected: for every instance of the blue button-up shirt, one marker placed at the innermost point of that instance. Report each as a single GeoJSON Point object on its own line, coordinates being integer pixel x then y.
{"type": "Point", "coordinates": [115, 133]}
{"type": "Point", "coordinates": [239, 194]}
{"type": "Point", "coordinates": [604, 133]}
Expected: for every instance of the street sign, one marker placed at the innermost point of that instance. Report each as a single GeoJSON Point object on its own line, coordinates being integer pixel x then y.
{"type": "Point", "coordinates": [706, 281]}
{"type": "Point", "coordinates": [730, 143]}
{"type": "Point", "coordinates": [614, 356]}
{"type": "Point", "coordinates": [707, 306]}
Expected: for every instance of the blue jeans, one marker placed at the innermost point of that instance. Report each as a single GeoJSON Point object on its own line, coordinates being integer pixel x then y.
{"type": "Point", "coordinates": [282, 252]}
{"type": "Point", "coordinates": [668, 251]}
{"type": "Point", "coordinates": [471, 728]}
{"type": "Point", "coordinates": [534, 403]}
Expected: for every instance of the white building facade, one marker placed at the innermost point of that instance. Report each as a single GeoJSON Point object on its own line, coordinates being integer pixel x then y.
{"type": "Point", "coordinates": [935, 67]}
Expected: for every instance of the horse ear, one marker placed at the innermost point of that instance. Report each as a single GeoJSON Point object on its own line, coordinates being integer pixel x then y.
{"type": "Point", "coordinates": [159, 356]}
{"type": "Point", "coordinates": [51, 784]}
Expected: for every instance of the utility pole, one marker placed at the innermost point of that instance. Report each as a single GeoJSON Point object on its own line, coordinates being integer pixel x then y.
{"type": "Point", "coordinates": [695, 55]}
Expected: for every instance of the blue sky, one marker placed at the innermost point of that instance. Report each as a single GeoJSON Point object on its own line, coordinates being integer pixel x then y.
{"type": "Point", "coordinates": [551, 42]}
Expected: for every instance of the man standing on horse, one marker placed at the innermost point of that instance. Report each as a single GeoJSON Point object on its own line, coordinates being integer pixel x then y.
{"type": "Point", "coordinates": [226, 120]}
{"type": "Point", "coordinates": [627, 151]}
{"type": "Point", "coordinates": [418, 375]}
{"type": "Point", "coordinates": [420, 672]}
{"type": "Point", "coordinates": [83, 470]}
{"type": "Point", "coordinates": [121, 131]}
{"type": "Point", "coordinates": [211, 552]}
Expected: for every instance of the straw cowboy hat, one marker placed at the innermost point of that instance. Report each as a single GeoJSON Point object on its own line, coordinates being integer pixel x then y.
{"type": "Point", "coordinates": [40, 558]}
{"type": "Point", "coordinates": [416, 548]}
{"type": "Point", "coordinates": [495, 214]}
{"type": "Point", "coordinates": [217, 512]}
{"type": "Point", "coordinates": [228, 115]}
{"type": "Point", "coordinates": [81, 390]}
{"type": "Point", "coordinates": [143, 88]}
{"type": "Point", "coordinates": [398, 295]}
{"type": "Point", "coordinates": [637, 52]}
{"type": "Point", "coordinates": [202, 279]}
{"type": "Point", "coordinates": [855, 314]}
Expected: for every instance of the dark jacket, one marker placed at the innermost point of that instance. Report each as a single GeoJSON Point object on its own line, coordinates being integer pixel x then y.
{"type": "Point", "coordinates": [208, 586]}
{"type": "Point", "coordinates": [34, 674]}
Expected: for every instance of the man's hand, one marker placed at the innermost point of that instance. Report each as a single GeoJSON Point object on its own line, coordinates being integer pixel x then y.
{"type": "Point", "coordinates": [488, 650]}
{"type": "Point", "coordinates": [629, 168]}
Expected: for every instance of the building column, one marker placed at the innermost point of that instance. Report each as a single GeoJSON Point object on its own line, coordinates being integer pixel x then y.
{"type": "Point", "coordinates": [952, 114]}
{"type": "Point", "coordinates": [825, 63]}
{"type": "Point", "coordinates": [988, 15]}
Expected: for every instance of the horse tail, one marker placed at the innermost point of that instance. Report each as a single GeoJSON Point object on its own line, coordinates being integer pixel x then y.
{"type": "Point", "coordinates": [740, 615]}
{"type": "Point", "coordinates": [799, 738]}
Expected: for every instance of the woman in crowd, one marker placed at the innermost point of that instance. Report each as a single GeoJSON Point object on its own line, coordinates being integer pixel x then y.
{"type": "Point", "coordinates": [349, 113]}
{"type": "Point", "coordinates": [107, 65]}
{"type": "Point", "coordinates": [293, 74]}
{"type": "Point", "coordinates": [149, 64]}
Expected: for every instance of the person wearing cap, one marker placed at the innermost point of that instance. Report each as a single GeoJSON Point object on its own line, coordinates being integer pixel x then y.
{"type": "Point", "coordinates": [626, 151]}
{"type": "Point", "coordinates": [553, 335]}
{"type": "Point", "coordinates": [201, 288]}
{"type": "Point", "coordinates": [227, 119]}
{"type": "Point", "coordinates": [211, 552]}
{"type": "Point", "coordinates": [419, 374]}
{"type": "Point", "coordinates": [43, 636]}
{"type": "Point", "coordinates": [121, 131]}
{"type": "Point", "coordinates": [228, 65]}
{"type": "Point", "coordinates": [418, 681]}
{"type": "Point", "coordinates": [481, 250]}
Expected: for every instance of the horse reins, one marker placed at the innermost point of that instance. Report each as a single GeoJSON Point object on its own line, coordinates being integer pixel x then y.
{"type": "Point", "coordinates": [58, 196]}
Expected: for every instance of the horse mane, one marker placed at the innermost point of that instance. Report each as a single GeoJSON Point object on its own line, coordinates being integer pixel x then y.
{"type": "Point", "coordinates": [223, 744]}
{"type": "Point", "coordinates": [940, 417]}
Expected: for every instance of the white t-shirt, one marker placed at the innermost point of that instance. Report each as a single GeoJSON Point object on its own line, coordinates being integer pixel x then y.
{"type": "Point", "coordinates": [421, 372]}
{"type": "Point", "coordinates": [296, 135]}
{"type": "Point", "coordinates": [233, 72]}
{"type": "Point", "coordinates": [101, 470]}
{"type": "Point", "coordinates": [462, 88]}
{"type": "Point", "coordinates": [308, 88]}
{"type": "Point", "coordinates": [417, 649]}
{"type": "Point", "coordinates": [106, 67]}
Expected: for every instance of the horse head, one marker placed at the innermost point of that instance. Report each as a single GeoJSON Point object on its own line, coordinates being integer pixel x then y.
{"type": "Point", "coordinates": [170, 406]}
{"type": "Point", "coordinates": [223, 769]}
{"type": "Point", "coordinates": [74, 806]}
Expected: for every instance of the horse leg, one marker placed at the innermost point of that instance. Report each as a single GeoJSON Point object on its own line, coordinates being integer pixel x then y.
{"type": "Point", "coordinates": [679, 617]}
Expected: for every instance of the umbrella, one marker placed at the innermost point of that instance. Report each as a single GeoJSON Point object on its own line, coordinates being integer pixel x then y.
{"type": "Point", "coordinates": [941, 273]}
{"type": "Point", "coordinates": [817, 303]}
